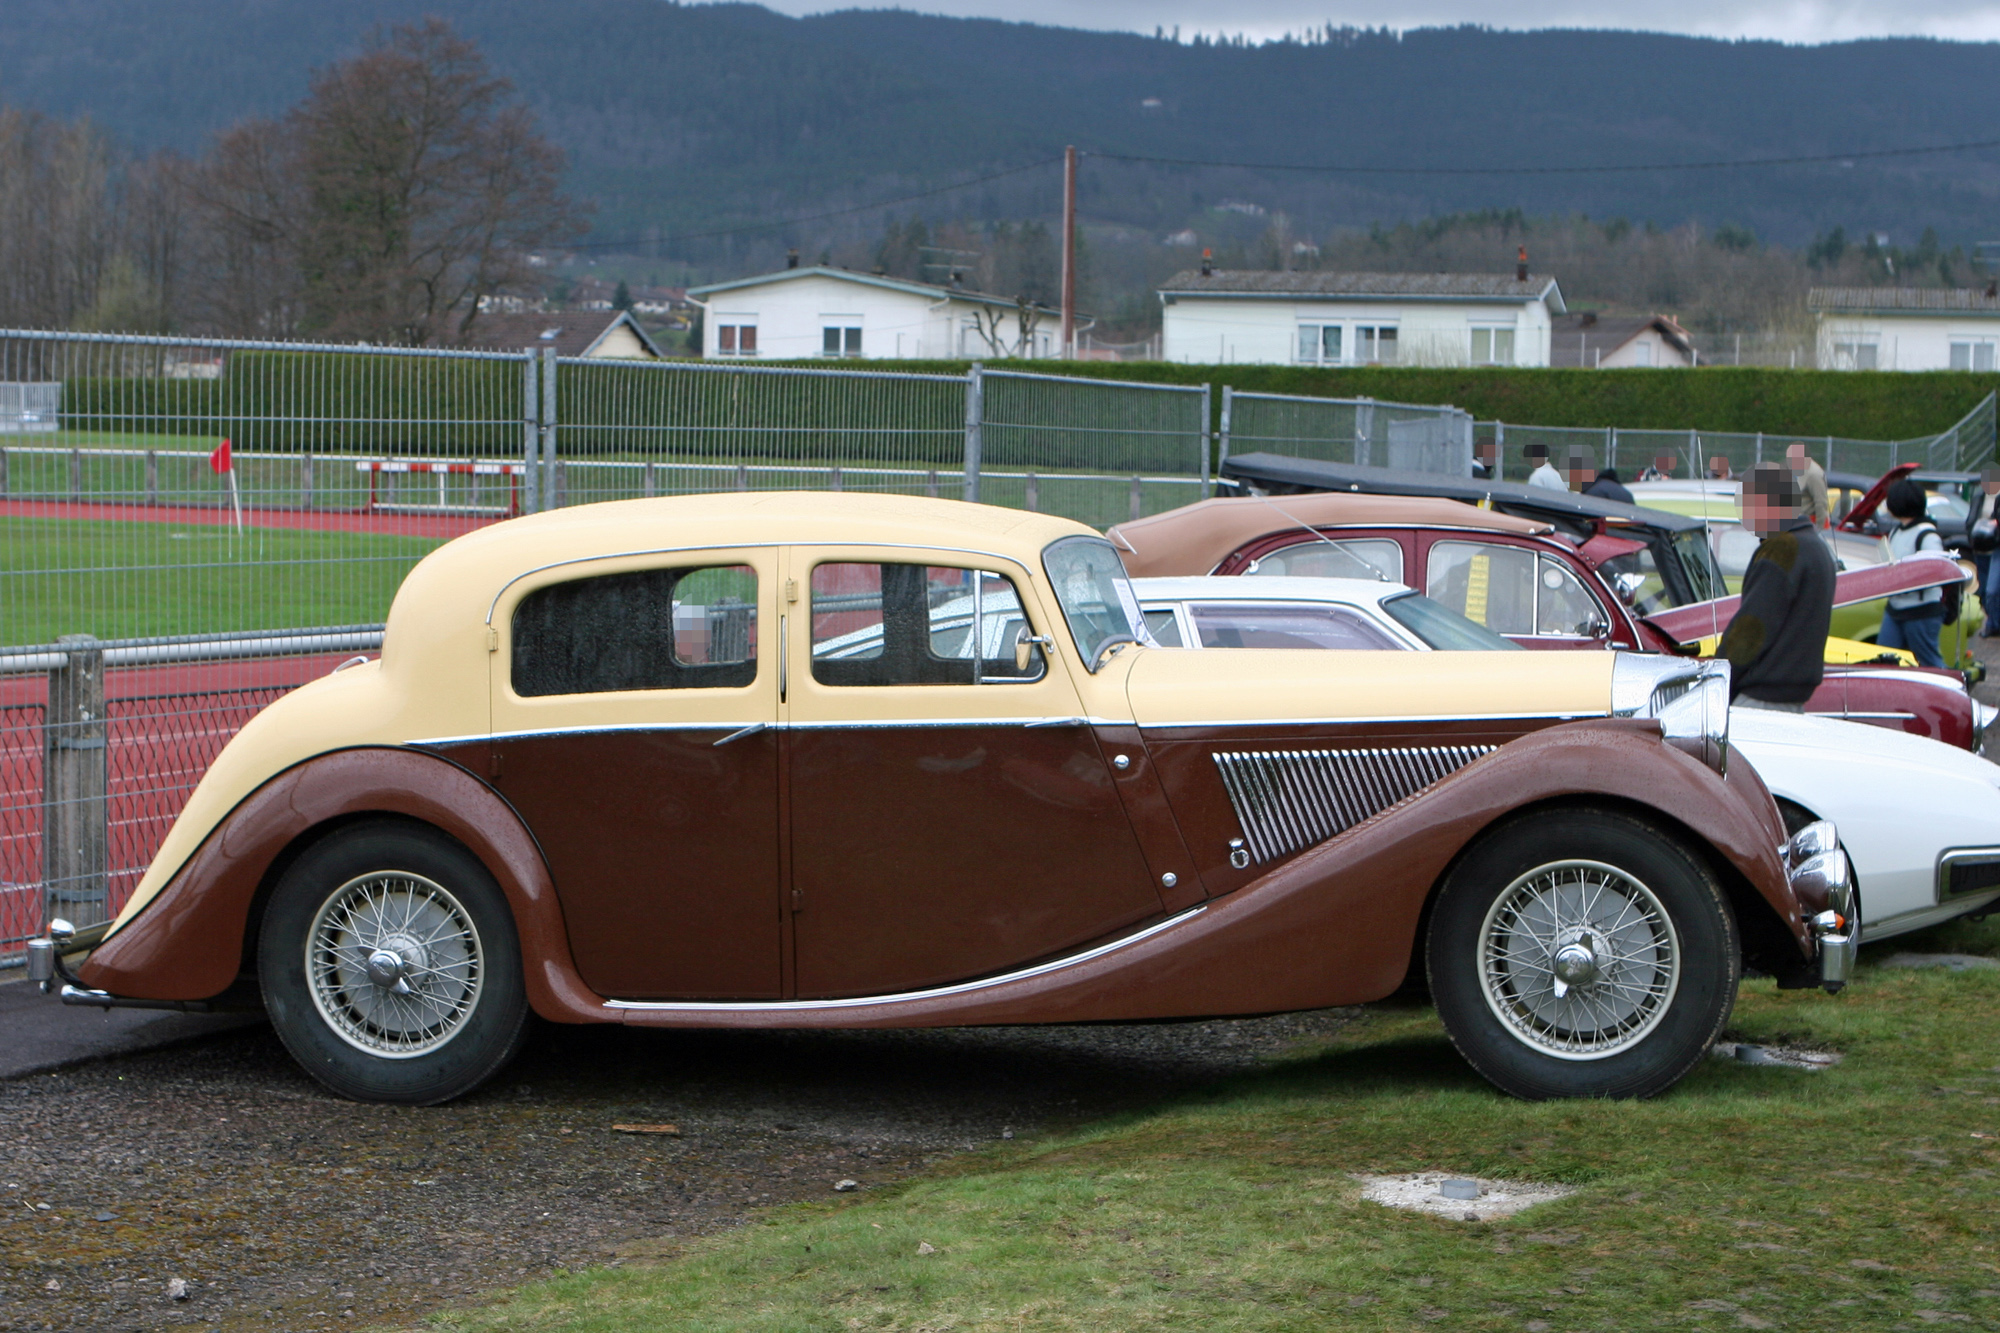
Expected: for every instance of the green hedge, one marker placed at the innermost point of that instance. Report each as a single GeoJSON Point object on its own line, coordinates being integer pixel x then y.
{"type": "Point", "coordinates": [1865, 405]}
{"type": "Point", "coordinates": [383, 404]}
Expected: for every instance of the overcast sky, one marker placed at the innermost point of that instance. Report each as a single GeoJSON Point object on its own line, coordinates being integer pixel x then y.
{"type": "Point", "coordinates": [1785, 20]}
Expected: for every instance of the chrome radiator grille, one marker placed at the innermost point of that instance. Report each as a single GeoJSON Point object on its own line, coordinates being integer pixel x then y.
{"type": "Point", "coordinates": [1287, 800]}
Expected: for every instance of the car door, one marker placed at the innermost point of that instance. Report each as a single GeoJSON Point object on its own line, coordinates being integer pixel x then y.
{"type": "Point", "coordinates": [633, 709]}
{"type": "Point", "coordinates": [951, 813]}
{"type": "Point", "coordinates": [1532, 596]}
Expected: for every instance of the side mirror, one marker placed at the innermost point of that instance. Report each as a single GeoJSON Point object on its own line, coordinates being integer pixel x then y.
{"type": "Point", "coordinates": [1024, 648]}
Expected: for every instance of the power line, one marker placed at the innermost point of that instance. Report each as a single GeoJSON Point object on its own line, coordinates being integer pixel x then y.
{"type": "Point", "coordinates": [1715, 165]}
{"type": "Point", "coordinates": [814, 217]}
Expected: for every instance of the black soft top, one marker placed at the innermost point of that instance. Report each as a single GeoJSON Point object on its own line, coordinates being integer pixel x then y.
{"type": "Point", "coordinates": [1282, 474]}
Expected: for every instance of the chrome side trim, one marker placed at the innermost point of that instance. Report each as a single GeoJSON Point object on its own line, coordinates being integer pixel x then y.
{"type": "Point", "coordinates": [1432, 718]}
{"type": "Point", "coordinates": [1288, 800]}
{"type": "Point", "coordinates": [745, 728]}
{"type": "Point", "coordinates": [903, 997]}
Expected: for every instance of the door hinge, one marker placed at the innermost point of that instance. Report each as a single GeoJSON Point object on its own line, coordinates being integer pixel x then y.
{"type": "Point", "coordinates": [496, 764]}
{"type": "Point", "coordinates": [798, 900]}
{"type": "Point", "coordinates": [791, 590]}
{"type": "Point", "coordinates": [492, 639]}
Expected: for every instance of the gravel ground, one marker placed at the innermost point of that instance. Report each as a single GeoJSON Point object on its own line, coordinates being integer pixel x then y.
{"type": "Point", "coordinates": [282, 1207]}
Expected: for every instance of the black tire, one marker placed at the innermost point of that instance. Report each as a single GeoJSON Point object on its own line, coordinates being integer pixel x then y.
{"type": "Point", "coordinates": [1643, 997]}
{"type": "Point", "coordinates": [393, 890]}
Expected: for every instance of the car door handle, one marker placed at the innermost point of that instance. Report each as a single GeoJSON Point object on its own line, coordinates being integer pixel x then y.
{"type": "Point", "coordinates": [740, 733]}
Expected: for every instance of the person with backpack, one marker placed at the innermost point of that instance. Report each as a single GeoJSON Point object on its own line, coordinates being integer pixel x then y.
{"type": "Point", "coordinates": [1914, 620]}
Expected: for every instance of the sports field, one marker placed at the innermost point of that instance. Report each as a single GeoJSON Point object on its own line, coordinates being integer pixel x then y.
{"type": "Point", "coordinates": [133, 579]}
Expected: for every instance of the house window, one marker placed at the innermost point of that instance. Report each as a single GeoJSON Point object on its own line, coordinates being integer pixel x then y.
{"type": "Point", "coordinates": [1319, 344]}
{"type": "Point", "coordinates": [840, 342]}
{"type": "Point", "coordinates": [1971, 356]}
{"type": "Point", "coordinates": [1375, 344]}
{"type": "Point", "coordinates": [736, 340]}
{"type": "Point", "coordinates": [1492, 347]}
{"type": "Point", "coordinates": [1854, 356]}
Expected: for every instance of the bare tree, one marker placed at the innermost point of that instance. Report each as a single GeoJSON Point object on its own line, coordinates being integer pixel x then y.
{"type": "Point", "coordinates": [406, 186]}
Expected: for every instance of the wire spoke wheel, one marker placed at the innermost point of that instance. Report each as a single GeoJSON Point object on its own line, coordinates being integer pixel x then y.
{"type": "Point", "coordinates": [394, 964]}
{"type": "Point", "coordinates": [1579, 959]}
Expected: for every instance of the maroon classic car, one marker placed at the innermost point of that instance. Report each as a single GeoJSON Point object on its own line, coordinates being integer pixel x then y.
{"type": "Point", "coordinates": [1624, 578]}
{"type": "Point", "coordinates": [807, 760]}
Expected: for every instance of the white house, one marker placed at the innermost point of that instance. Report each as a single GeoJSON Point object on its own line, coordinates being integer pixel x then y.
{"type": "Point", "coordinates": [1612, 342]}
{"type": "Point", "coordinates": [1907, 328]}
{"type": "Point", "coordinates": [1358, 319]}
{"type": "Point", "coordinates": [834, 312]}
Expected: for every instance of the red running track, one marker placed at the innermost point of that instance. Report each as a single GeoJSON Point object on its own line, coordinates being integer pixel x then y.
{"type": "Point", "coordinates": [314, 520]}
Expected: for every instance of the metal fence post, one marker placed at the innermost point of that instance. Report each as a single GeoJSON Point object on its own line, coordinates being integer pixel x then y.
{"type": "Point", "coordinates": [306, 479]}
{"type": "Point", "coordinates": [1034, 505]}
{"type": "Point", "coordinates": [1364, 429]}
{"type": "Point", "coordinates": [1829, 453]}
{"type": "Point", "coordinates": [1760, 439]}
{"type": "Point", "coordinates": [1611, 446]}
{"type": "Point", "coordinates": [3, 472]}
{"type": "Point", "coordinates": [1201, 437]}
{"type": "Point", "coordinates": [1139, 499]}
{"type": "Point", "coordinates": [75, 772]}
{"type": "Point", "coordinates": [76, 474]}
{"type": "Point", "coordinates": [531, 433]}
{"type": "Point", "coordinates": [1228, 406]}
{"type": "Point", "coordinates": [1499, 450]}
{"type": "Point", "coordinates": [552, 478]}
{"type": "Point", "coordinates": [975, 423]}
{"type": "Point", "coordinates": [152, 476]}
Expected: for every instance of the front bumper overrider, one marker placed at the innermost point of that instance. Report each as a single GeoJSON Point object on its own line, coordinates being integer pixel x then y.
{"type": "Point", "coordinates": [1817, 869]}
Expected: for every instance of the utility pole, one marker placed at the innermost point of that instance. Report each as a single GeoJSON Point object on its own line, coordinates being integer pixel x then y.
{"type": "Point", "coordinates": [1069, 254]}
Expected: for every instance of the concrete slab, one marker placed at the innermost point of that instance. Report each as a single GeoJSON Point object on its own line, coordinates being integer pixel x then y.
{"type": "Point", "coordinates": [39, 1032]}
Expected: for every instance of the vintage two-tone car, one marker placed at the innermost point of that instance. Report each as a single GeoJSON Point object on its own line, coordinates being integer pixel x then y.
{"type": "Point", "coordinates": [838, 760]}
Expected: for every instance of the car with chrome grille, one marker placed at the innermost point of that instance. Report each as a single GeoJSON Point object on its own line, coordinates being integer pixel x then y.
{"type": "Point", "coordinates": [802, 760]}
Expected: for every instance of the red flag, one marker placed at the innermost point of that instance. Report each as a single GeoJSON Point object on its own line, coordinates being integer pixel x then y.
{"type": "Point", "coordinates": [219, 460]}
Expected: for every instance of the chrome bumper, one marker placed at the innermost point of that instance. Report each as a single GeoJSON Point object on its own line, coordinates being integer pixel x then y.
{"type": "Point", "coordinates": [1817, 869]}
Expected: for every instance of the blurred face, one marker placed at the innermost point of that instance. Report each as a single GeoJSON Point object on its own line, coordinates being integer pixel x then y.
{"type": "Point", "coordinates": [1762, 514]}
{"type": "Point", "coordinates": [1664, 465]}
{"type": "Point", "coordinates": [1989, 480]}
{"type": "Point", "coordinates": [1796, 456]}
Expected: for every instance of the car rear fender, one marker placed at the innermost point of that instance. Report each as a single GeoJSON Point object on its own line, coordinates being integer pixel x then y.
{"type": "Point", "coordinates": [189, 942]}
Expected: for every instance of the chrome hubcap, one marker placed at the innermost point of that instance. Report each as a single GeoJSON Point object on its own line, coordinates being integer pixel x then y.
{"type": "Point", "coordinates": [394, 964]}
{"type": "Point", "coordinates": [1579, 959]}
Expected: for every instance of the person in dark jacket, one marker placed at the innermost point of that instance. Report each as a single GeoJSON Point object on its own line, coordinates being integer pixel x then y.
{"type": "Point", "coordinates": [1608, 486]}
{"type": "Point", "coordinates": [1776, 642]}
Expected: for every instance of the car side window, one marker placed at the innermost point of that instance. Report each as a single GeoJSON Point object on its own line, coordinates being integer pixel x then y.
{"type": "Point", "coordinates": [645, 629]}
{"type": "Point", "coordinates": [1162, 625]}
{"type": "Point", "coordinates": [1276, 625]}
{"type": "Point", "coordinates": [1490, 585]}
{"type": "Point", "coordinates": [1563, 605]}
{"type": "Point", "coordinates": [1334, 558]}
{"type": "Point", "coordinates": [896, 624]}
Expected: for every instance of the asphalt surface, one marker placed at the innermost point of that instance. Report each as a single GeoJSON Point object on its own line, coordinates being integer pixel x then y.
{"type": "Point", "coordinates": [39, 1032]}
{"type": "Point", "coordinates": [217, 1162]}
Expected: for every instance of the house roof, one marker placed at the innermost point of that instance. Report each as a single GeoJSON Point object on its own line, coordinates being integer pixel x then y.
{"type": "Point", "coordinates": [1904, 300]}
{"type": "Point", "coordinates": [929, 290]}
{"type": "Point", "coordinates": [1578, 340]}
{"type": "Point", "coordinates": [1329, 286]}
{"type": "Point", "coordinates": [570, 332]}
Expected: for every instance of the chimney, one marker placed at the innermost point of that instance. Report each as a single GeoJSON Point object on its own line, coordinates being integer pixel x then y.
{"type": "Point", "coordinates": [1207, 265]}
{"type": "Point", "coordinates": [791, 259]}
{"type": "Point", "coordinates": [1521, 265]}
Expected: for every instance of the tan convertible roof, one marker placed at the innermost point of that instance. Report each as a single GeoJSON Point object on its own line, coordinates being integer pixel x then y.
{"type": "Point", "coordinates": [1195, 538]}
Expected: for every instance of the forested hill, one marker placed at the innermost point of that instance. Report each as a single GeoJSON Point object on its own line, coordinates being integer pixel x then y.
{"type": "Point", "coordinates": [691, 118]}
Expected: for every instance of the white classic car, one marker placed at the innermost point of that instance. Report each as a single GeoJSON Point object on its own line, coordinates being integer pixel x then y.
{"type": "Point", "coordinates": [1920, 820]}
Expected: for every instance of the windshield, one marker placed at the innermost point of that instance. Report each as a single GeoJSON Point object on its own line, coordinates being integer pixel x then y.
{"type": "Point", "coordinates": [1443, 628]}
{"type": "Point", "coordinates": [1095, 596]}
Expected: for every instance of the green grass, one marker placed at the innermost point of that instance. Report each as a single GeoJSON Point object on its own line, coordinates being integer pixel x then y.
{"type": "Point", "coordinates": [128, 580]}
{"type": "Point", "coordinates": [1859, 1198]}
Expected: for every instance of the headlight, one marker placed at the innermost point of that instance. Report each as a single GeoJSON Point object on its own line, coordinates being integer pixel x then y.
{"type": "Point", "coordinates": [1690, 699]}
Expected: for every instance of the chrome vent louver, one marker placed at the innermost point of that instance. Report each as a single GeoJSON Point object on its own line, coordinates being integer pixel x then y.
{"type": "Point", "coordinates": [1288, 800]}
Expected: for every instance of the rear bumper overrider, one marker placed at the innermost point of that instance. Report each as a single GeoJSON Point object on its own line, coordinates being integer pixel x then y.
{"type": "Point", "coordinates": [1817, 869]}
